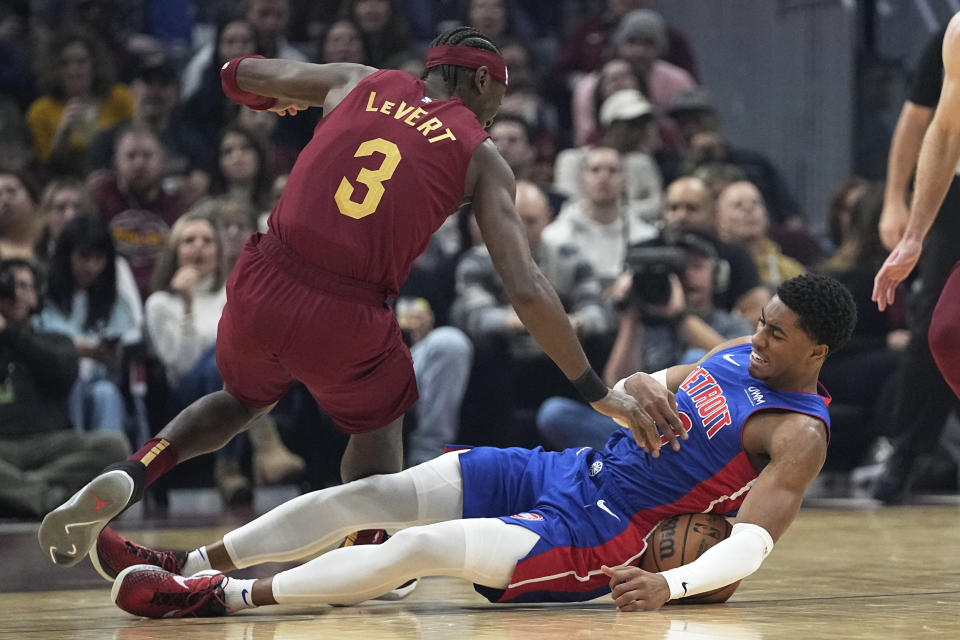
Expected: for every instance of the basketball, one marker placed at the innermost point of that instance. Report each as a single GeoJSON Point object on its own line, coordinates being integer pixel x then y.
{"type": "Point", "coordinates": [680, 540]}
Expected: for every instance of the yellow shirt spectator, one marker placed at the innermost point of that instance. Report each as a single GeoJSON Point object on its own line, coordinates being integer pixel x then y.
{"type": "Point", "coordinates": [46, 113]}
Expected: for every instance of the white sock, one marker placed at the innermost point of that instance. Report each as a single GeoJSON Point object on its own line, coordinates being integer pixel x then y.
{"type": "Point", "coordinates": [238, 593]}
{"type": "Point", "coordinates": [197, 561]}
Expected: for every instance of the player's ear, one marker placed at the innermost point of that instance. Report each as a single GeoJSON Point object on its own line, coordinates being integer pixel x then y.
{"type": "Point", "coordinates": [819, 352]}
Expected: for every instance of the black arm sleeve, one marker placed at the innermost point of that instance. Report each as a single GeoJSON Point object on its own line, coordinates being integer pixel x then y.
{"type": "Point", "coordinates": [928, 75]}
{"type": "Point", "coordinates": [52, 357]}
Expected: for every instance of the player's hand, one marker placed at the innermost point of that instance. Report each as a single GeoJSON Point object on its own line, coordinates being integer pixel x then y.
{"type": "Point", "coordinates": [895, 270]}
{"type": "Point", "coordinates": [893, 222]}
{"type": "Point", "coordinates": [634, 589]}
{"type": "Point", "coordinates": [660, 404]}
{"type": "Point", "coordinates": [288, 107]}
{"type": "Point", "coordinates": [625, 410]}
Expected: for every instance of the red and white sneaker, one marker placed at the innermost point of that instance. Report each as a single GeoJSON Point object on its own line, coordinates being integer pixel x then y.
{"type": "Point", "coordinates": [113, 553]}
{"type": "Point", "coordinates": [379, 536]}
{"type": "Point", "coordinates": [148, 591]}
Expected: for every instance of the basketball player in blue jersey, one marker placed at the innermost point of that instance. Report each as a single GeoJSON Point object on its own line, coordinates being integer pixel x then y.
{"type": "Point", "coordinates": [530, 525]}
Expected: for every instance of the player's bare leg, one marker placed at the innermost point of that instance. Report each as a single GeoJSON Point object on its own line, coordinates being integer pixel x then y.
{"type": "Point", "coordinates": [68, 532]}
{"type": "Point", "coordinates": [369, 454]}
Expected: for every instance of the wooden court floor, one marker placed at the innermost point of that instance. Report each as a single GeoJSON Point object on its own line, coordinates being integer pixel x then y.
{"type": "Point", "coordinates": [839, 573]}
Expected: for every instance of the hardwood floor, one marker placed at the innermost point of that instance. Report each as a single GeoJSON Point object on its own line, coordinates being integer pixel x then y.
{"type": "Point", "coordinates": [838, 573]}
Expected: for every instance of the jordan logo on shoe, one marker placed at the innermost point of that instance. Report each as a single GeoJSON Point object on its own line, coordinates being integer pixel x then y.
{"type": "Point", "coordinates": [100, 503]}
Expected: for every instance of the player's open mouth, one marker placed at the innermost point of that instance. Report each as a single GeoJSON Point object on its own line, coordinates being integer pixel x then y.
{"type": "Point", "coordinates": [755, 358]}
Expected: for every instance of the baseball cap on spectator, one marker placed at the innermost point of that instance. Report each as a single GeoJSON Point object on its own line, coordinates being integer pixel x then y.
{"type": "Point", "coordinates": [154, 67]}
{"type": "Point", "coordinates": [642, 24]}
{"type": "Point", "coordinates": [694, 99]}
{"type": "Point", "coordinates": [626, 104]}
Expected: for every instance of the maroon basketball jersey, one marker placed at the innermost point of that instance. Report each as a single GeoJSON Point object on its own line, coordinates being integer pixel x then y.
{"type": "Point", "coordinates": [384, 169]}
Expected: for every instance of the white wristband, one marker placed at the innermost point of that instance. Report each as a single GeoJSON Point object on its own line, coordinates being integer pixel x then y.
{"type": "Point", "coordinates": [659, 376]}
{"type": "Point", "coordinates": [724, 563]}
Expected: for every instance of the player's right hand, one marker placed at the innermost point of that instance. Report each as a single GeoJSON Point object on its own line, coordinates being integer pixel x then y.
{"type": "Point", "coordinates": [893, 222]}
{"type": "Point", "coordinates": [634, 589]}
{"type": "Point", "coordinates": [288, 107]}
{"type": "Point", "coordinates": [625, 410]}
{"type": "Point", "coordinates": [660, 404]}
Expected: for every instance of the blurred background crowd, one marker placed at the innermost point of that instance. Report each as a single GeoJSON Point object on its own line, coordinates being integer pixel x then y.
{"type": "Point", "coordinates": [129, 183]}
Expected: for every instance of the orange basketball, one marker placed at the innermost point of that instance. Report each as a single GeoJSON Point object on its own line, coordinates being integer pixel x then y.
{"type": "Point", "coordinates": [683, 538]}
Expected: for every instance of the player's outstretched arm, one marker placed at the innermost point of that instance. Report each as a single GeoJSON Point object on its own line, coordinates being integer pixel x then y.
{"type": "Point", "coordinates": [492, 189]}
{"type": "Point", "coordinates": [290, 81]}
{"type": "Point", "coordinates": [939, 155]}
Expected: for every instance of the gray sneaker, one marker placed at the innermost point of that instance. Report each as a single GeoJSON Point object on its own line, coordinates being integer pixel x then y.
{"type": "Point", "coordinates": [68, 532]}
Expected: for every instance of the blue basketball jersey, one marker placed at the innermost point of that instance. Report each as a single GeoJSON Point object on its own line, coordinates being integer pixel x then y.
{"type": "Point", "coordinates": [592, 508]}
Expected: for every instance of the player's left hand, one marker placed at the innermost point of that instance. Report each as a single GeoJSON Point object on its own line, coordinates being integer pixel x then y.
{"type": "Point", "coordinates": [288, 107]}
{"type": "Point", "coordinates": [634, 589]}
{"type": "Point", "coordinates": [895, 270]}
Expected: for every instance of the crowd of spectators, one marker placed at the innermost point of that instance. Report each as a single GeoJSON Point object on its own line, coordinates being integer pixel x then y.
{"type": "Point", "coordinates": [129, 183]}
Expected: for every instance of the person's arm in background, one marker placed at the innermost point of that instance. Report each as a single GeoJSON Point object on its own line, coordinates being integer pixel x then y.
{"type": "Point", "coordinates": [939, 155]}
{"type": "Point", "coordinates": [492, 189]}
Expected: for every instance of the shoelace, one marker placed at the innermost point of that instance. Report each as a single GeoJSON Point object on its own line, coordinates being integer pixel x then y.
{"type": "Point", "coordinates": [197, 598]}
{"type": "Point", "coordinates": [164, 559]}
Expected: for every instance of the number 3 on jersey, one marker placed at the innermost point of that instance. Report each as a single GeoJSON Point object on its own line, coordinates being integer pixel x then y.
{"type": "Point", "coordinates": [373, 178]}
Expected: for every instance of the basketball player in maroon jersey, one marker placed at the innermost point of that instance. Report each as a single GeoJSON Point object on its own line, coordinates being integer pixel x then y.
{"type": "Point", "coordinates": [936, 168]}
{"type": "Point", "coordinates": [391, 159]}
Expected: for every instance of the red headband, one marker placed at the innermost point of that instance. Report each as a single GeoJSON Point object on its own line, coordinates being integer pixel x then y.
{"type": "Point", "coordinates": [468, 57]}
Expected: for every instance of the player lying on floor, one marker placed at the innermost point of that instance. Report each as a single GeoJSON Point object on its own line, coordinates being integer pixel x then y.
{"type": "Point", "coordinates": [529, 525]}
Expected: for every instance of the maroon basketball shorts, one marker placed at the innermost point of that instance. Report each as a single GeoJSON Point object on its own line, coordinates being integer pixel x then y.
{"type": "Point", "coordinates": [277, 327]}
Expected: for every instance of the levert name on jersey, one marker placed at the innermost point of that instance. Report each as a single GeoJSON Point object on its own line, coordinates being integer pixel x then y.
{"type": "Point", "coordinates": [410, 114]}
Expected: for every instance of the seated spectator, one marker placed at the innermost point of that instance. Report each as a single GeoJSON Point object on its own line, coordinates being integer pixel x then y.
{"type": "Point", "coordinates": [600, 223]}
{"type": "Point", "coordinates": [79, 99]}
{"type": "Point", "coordinates": [18, 224]}
{"type": "Point", "coordinates": [269, 20]}
{"type": "Point", "coordinates": [62, 200]}
{"type": "Point", "coordinates": [83, 303]}
{"type": "Point", "coordinates": [134, 203]}
{"type": "Point", "coordinates": [236, 221]}
{"type": "Point", "coordinates": [154, 87]}
{"type": "Point", "coordinates": [860, 374]}
{"type": "Point", "coordinates": [182, 316]}
{"type": "Point", "coordinates": [207, 110]}
{"type": "Point", "coordinates": [689, 209]}
{"type": "Point", "coordinates": [483, 311]}
{"type": "Point", "coordinates": [383, 27]}
{"type": "Point", "coordinates": [589, 42]}
{"type": "Point", "coordinates": [524, 99]}
{"type": "Point", "coordinates": [703, 143]}
{"type": "Point", "coordinates": [640, 39]}
{"type": "Point", "coordinates": [241, 172]}
{"type": "Point", "coordinates": [629, 127]}
{"type": "Point", "coordinates": [742, 219]}
{"type": "Point", "coordinates": [511, 134]}
{"type": "Point", "coordinates": [343, 42]}
{"type": "Point", "coordinates": [43, 459]}
{"type": "Point", "coordinates": [655, 333]}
